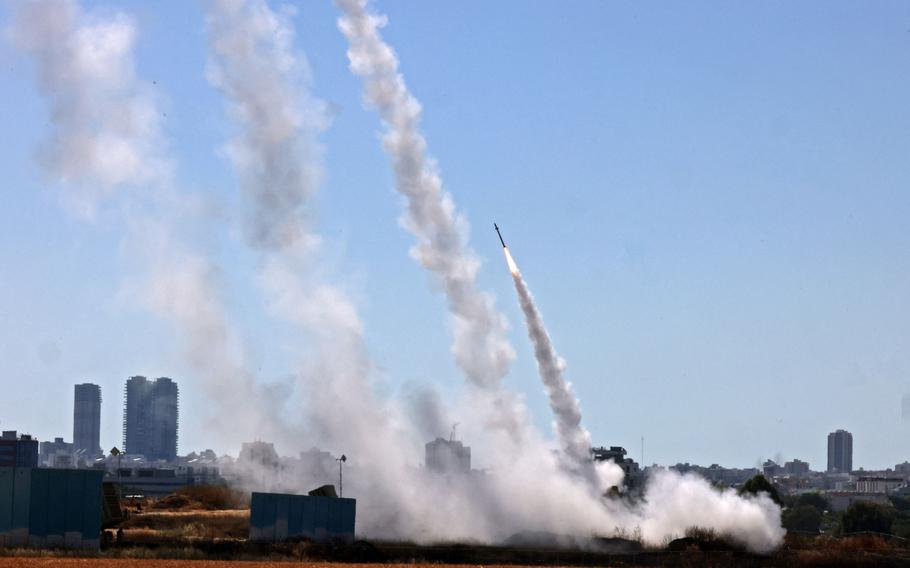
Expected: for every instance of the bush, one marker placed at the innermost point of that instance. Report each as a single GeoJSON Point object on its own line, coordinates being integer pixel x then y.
{"type": "Point", "coordinates": [759, 484]}
{"type": "Point", "coordinates": [816, 500]}
{"type": "Point", "coordinates": [901, 527]}
{"type": "Point", "coordinates": [864, 516]}
{"type": "Point", "coordinates": [900, 503]}
{"type": "Point", "coordinates": [802, 518]}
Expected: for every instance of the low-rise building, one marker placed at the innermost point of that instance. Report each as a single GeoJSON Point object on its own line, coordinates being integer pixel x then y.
{"type": "Point", "coordinates": [18, 451]}
{"type": "Point", "coordinates": [57, 454]}
{"type": "Point", "coordinates": [841, 500]}
{"type": "Point", "coordinates": [796, 467]}
{"type": "Point", "coordinates": [875, 484]}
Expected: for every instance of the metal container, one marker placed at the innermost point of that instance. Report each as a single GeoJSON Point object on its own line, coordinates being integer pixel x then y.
{"type": "Point", "coordinates": [280, 516]}
{"type": "Point", "coordinates": [50, 507]}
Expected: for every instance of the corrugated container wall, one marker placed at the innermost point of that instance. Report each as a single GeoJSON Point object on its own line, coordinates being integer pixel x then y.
{"type": "Point", "coordinates": [50, 507]}
{"type": "Point", "coordinates": [279, 516]}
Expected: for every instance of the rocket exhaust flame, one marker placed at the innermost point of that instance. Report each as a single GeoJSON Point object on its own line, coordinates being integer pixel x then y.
{"type": "Point", "coordinates": [513, 268]}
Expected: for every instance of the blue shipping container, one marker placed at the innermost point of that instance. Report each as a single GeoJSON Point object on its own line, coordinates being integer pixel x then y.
{"type": "Point", "coordinates": [279, 516]}
{"type": "Point", "coordinates": [50, 507]}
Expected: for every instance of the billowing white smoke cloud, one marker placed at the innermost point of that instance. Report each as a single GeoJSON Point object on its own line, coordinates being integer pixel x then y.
{"type": "Point", "coordinates": [674, 502]}
{"type": "Point", "coordinates": [105, 134]}
{"type": "Point", "coordinates": [573, 437]}
{"type": "Point", "coordinates": [105, 122]}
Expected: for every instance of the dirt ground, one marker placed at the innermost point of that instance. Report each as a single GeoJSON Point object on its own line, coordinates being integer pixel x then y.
{"type": "Point", "coordinates": [23, 562]}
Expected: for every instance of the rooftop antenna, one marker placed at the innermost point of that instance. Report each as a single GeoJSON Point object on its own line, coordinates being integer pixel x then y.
{"type": "Point", "coordinates": [452, 435]}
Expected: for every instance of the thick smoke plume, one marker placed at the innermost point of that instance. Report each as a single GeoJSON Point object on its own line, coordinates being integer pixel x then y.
{"type": "Point", "coordinates": [106, 135]}
{"type": "Point", "coordinates": [573, 437]}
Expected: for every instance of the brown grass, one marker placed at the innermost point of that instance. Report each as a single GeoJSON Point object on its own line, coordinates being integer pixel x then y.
{"type": "Point", "coordinates": [183, 525]}
{"type": "Point", "coordinates": [24, 562]}
{"type": "Point", "coordinates": [202, 498]}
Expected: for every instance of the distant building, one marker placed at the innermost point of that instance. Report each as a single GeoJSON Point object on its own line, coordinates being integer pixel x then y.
{"type": "Point", "coordinates": [877, 484]}
{"type": "Point", "coordinates": [796, 467]}
{"type": "Point", "coordinates": [260, 454]}
{"type": "Point", "coordinates": [57, 454]}
{"type": "Point", "coordinates": [771, 469]}
{"type": "Point", "coordinates": [717, 474]}
{"type": "Point", "coordinates": [841, 500]}
{"type": "Point", "coordinates": [840, 452]}
{"type": "Point", "coordinates": [18, 451]}
{"type": "Point", "coordinates": [150, 418]}
{"type": "Point", "coordinates": [617, 454]}
{"type": "Point", "coordinates": [87, 419]}
{"type": "Point", "coordinates": [448, 456]}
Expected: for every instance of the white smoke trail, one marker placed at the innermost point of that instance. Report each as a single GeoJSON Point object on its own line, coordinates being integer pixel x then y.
{"type": "Point", "coordinates": [279, 163]}
{"type": "Point", "coordinates": [573, 437]}
{"type": "Point", "coordinates": [105, 136]}
{"type": "Point", "coordinates": [480, 346]}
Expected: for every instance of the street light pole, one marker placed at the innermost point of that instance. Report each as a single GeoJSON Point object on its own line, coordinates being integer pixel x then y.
{"type": "Point", "coordinates": [340, 461]}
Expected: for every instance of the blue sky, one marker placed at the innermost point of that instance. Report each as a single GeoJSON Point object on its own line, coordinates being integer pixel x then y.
{"type": "Point", "coordinates": [710, 202]}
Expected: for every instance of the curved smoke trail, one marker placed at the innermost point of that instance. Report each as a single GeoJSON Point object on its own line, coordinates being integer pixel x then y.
{"type": "Point", "coordinates": [480, 346]}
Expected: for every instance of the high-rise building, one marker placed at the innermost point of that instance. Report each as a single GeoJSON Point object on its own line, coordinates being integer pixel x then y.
{"type": "Point", "coordinates": [150, 418]}
{"type": "Point", "coordinates": [87, 419]}
{"type": "Point", "coordinates": [840, 452]}
{"type": "Point", "coordinates": [448, 456]}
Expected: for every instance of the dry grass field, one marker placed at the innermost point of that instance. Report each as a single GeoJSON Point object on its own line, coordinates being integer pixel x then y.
{"type": "Point", "coordinates": [21, 562]}
{"type": "Point", "coordinates": [180, 525]}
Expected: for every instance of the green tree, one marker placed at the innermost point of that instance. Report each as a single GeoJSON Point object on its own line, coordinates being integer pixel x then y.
{"type": "Point", "coordinates": [813, 499]}
{"type": "Point", "coordinates": [803, 518]}
{"type": "Point", "coordinates": [900, 503]}
{"type": "Point", "coordinates": [865, 516]}
{"type": "Point", "coordinates": [759, 484]}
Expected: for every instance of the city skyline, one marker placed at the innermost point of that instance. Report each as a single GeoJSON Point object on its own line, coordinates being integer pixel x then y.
{"type": "Point", "coordinates": [441, 453]}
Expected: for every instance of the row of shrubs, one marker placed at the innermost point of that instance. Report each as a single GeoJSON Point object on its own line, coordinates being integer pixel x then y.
{"type": "Point", "coordinates": [811, 513]}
